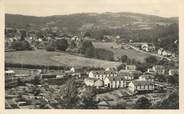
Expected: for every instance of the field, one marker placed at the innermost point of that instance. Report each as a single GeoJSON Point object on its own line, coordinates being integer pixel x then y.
{"type": "Point", "coordinates": [133, 54]}
{"type": "Point", "coordinates": [42, 57]}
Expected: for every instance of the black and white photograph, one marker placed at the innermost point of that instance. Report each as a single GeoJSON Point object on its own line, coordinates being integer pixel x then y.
{"type": "Point", "coordinates": [91, 54]}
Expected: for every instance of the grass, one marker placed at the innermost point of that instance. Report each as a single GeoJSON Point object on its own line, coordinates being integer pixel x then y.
{"type": "Point", "coordinates": [133, 54]}
{"type": "Point", "coordinates": [42, 57]}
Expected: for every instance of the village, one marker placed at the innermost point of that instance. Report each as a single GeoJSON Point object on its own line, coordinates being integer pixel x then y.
{"type": "Point", "coordinates": [42, 72]}
{"type": "Point", "coordinates": [34, 89]}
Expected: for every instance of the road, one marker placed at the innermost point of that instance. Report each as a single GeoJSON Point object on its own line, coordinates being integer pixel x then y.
{"type": "Point", "coordinates": [153, 54]}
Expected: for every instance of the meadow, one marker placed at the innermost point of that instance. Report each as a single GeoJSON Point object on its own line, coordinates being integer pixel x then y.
{"type": "Point", "coordinates": [42, 57]}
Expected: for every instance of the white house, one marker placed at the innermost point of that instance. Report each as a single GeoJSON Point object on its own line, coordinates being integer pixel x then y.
{"type": "Point", "coordinates": [89, 81]}
{"type": "Point", "coordinates": [159, 69]}
{"type": "Point", "coordinates": [141, 86]}
{"type": "Point", "coordinates": [146, 78]}
{"type": "Point", "coordinates": [147, 47]}
{"type": "Point", "coordinates": [160, 51]}
{"type": "Point", "coordinates": [130, 73]}
{"type": "Point", "coordinates": [102, 74]}
{"type": "Point", "coordinates": [173, 72]}
{"type": "Point", "coordinates": [9, 73]}
{"type": "Point", "coordinates": [130, 67]}
{"type": "Point", "coordinates": [115, 82]}
{"type": "Point", "coordinates": [151, 71]}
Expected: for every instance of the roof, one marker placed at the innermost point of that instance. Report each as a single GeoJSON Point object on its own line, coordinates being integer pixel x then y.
{"type": "Point", "coordinates": [147, 76]}
{"type": "Point", "coordinates": [103, 72]}
{"type": "Point", "coordinates": [125, 74]}
{"type": "Point", "coordinates": [117, 78]}
{"type": "Point", "coordinates": [9, 71]}
{"type": "Point", "coordinates": [129, 72]}
{"type": "Point", "coordinates": [99, 83]}
{"type": "Point", "coordinates": [131, 65]}
{"type": "Point", "coordinates": [159, 67]}
{"type": "Point", "coordinates": [140, 82]}
{"type": "Point", "coordinates": [91, 79]}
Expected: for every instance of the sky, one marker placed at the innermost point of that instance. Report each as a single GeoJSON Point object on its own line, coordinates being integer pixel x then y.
{"type": "Point", "coordinates": [164, 8]}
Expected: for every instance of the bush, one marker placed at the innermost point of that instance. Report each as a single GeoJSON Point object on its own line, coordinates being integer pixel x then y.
{"type": "Point", "coordinates": [143, 103]}
{"type": "Point", "coordinates": [104, 54]}
{"type": "Point", "coordinates": [21, 45]}
{"type": "Point", "coordinates": [61, 44]}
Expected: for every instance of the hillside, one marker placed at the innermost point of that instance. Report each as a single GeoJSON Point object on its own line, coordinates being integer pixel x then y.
{"type": "Point", "coordinates": [85, 21]}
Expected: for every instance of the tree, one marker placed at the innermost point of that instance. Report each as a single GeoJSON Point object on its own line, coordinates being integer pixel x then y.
{"type": "Point", "coordinates": [171, 102]}
{"type": "Point", "coordinates": [23, 35]}
{"type": "Point", "coordinates": [173, 79]}
{"type": "Point", "coordinates": [69, 93]}
{"type": "Point", "coordinates": [85, 44]}
{"type": "Point", "coordinates": [88, 98]}
{"type": "Point", "coordinates": [151, 60]}
{"type": "Point", "coordinates": [143, 103]}
{"type": "Point", "coordinates": [124, 58]}
{"type": "Point", "coordinates": [51, 46]}
{"type": "Point", "coordinates": [61, 44]}
{"type": "Point", "coordinates": [90, 52]}
{"type": "Point", "coordinates": [21, 45]}
{"type": "Point", "coordinates": [160, 78]}
{"type": "Point", "coordinates": [73, 45]}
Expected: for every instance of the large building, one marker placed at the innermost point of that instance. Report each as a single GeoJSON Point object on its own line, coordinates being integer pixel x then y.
{"type": "Point", "coordinates": [141, 86]}
{"type": "Point", "coordinates": [146, 78]}
{"type": "Point", "coordinates": [115, 82]}
{"type": "Point", "coordinates": [102, 74]}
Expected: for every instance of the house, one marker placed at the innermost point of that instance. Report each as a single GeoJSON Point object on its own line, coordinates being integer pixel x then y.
{"type": "Point", "coordinates": [150, 71]}
{"type": "Point", "coordinates": [147, 47]}
{"type": "Point", "coordinates": [115, 82]}
{"type": "Point", "coordinates": [102, 74]}
{"type": "Point", "coordinates": [130, 67]}
{"type": "Point", "coordinates": [76, 69]}
{"type": "Point", "coordinates": [46, 76]}
{"type": "Point", "coordinates": [159, 69]}
{"type": "Point", "coordinates": [160, 51]}
{"type": "Point", "coordinates": [99, 83]}
{"type": "Point", "coordinates": [166, 53]}
{"type": "Point", "coordinates": [134, 74]}
{"type": "Point", "coordinates": [126, 75]}
{"type": "Point", "coordinates": [146, 78]}
{"type": "Point", "coordinates": [172, 72]}
{"type": "Point", "coordinates": [110, 69]}
{"type": "Point", "coordinates": [141, 86]}
{"type": "Point", "coordinates": [94, 82]}
{"type": "Point", "coordinates": [9, 73]}
{"type": "Point", "coordinates": [163, 52]}
{"type": "Point", "coordinates": [89, 81]}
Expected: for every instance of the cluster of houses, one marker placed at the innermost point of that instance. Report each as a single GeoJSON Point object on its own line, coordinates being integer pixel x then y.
{"type": "Point", "coordinates": [149, 47]}
{"type": "Point", "coordinates": [130, 78]}
{"type": "Point", "coordinates": [165, 53]}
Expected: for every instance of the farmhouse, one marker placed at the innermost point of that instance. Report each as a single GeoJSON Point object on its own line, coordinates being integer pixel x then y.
{"type": "Point", "coordinates": [159, 69]}
{"type": "Point", "coordinates": [89, 81]}
{"type": "Point", "coordinates": [150, 71]}
{"type": "Point", "coordinates": [160, 51]}
{"type": "Point", "coordinates": [102, 74]}
{"type": "Point", "coordinates": [9, 73]}
{"type": "Point", "coordinates": [147, 47]}
{"type": "Point", "coordinates": [146, 78]}
{"type": "Point", "coordinates": [141, 86]}
{"type": "Point", "coordinates": [131, 73]}
{"type": "Point", "coordinates": [163, 52]}
{"type": "Point", "coordinates": [130, 67]}
{"type": "Point", "coordinates": [115, 82]}
{"type": "Point", "coordinates": [94, 82]}
{"type": "Point", "coordinates": [173, 72]}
